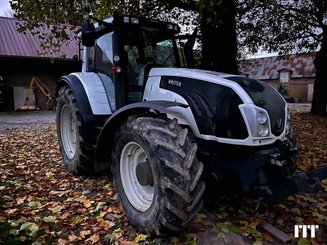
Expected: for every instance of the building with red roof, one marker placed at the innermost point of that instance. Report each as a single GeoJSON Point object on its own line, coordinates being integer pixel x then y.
{"type": "Point", "coordinates": [296, 72]}
{"type": "Point", "coordinates": [22, 57]}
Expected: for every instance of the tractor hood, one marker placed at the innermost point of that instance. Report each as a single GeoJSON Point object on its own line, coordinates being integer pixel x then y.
{"type": "Point", "coordinates": [209, 76]}
{"type": "Point", "coordinates": [221, 103]}
{"type": "Point", "coordinates": [239, 84]}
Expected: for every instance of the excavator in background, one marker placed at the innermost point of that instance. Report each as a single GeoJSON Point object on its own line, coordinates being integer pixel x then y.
{"type": "Point", "coordinates": [44, 89]}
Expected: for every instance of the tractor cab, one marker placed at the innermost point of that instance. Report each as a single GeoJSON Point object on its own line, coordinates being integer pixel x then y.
{"type": "Point", "coordinates": [123, 49]}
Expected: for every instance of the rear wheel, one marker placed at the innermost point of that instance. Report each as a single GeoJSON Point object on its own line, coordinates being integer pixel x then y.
{"type": "Point", "coordinates": [157, 174]}
{"type": "Point", "coordinates": [75, 157]}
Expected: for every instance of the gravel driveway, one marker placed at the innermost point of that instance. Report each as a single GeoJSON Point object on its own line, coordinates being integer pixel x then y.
{"type": "Point", "coordinates": [23, 119]}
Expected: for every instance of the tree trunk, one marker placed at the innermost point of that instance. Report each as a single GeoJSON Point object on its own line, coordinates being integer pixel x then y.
{"type": "Point", "coordinates": [219, 41]}
{"type": "Point", "coordinates": [319, 100]}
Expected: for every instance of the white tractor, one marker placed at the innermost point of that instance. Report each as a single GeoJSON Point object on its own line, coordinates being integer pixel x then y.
{"type": "Point", "coordinates": [164, 131]}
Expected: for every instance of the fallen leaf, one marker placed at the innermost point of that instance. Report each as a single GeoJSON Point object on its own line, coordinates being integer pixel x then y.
{"type": "Point", "coordinates": [140, 238]}
{"type": "Point", "coordinates": [128, 243]}
{"type": "Point", "coordinates": [84, 233]}
{"type": "Point", "coordinates": [191, 237]}
{"type": "Point", "coordinates": [51, 219]}
{"type": "Point", "coordinates": [94, 238]}
{"type": "Point", "coordinates": [228, 228]}
{"type": "Point", "coordinates": [174, 240]}
{"type": "Point", "coordinates": [64, 216]}
{"type": "Point", "coordinates": [253, 225]}
{"type": "Point", "coordinates": [77, 219]}
{"type": "Point", "coordinates": [20, 200]}
{"type": "Point", "coordinates": [200, 217]}
{"type": "Point", "coordinates": [62, 241]}
{"type": "Point", "coordinates": [74, 238]}
{"type": "Point", "coordinates": [34, 204]}
{"type": "Point", "coordinates": [56, 209]}
{"type": "Point", "coordinates": [87, 203]}
{"type": "Point", "coordinates": [303, 241]}
{"type": "Point", "coordinates": [296, 211]}
{"type": "Point", "coordinates": [11, 211]}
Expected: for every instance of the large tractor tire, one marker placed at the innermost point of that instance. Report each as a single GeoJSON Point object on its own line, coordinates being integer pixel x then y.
{"type": "Point", "coordinates": [75, 157]}
{"type": "Point", "coordinates": [157, 174]}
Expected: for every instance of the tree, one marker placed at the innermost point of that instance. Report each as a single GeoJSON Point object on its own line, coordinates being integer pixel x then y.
{"type": "Point", "coordinates": [53, 21]}
{"type": "Point", "coordinates": [217, 23]}
{"type": "Point", "coordinates": [219, 39]}
{"type": "Point", "coordinates": [216, 20]}
{"type": "Point", "coordinates": [289, 26]}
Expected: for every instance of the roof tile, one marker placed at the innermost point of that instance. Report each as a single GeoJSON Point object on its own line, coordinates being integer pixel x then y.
{"type": "Point", "coordinates": [267, 68]}
{"type": "Point", "coordinates": [15, 43]}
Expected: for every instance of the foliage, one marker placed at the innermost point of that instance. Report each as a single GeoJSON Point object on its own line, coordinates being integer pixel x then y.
{"type": "Point", "coordinates": [282, 26]}
{"type": "Point", "coordinates": [41, 203]}
{"type": "Point", "coordinates": [274, 26]}
{"type": "Point", "coordinates": [54, 21]}
{"type": "Point", "coordinates": [50, 20]}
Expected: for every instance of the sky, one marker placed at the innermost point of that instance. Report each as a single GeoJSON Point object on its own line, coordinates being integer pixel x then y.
{"type": "Point", "coordinates": [4, 6]}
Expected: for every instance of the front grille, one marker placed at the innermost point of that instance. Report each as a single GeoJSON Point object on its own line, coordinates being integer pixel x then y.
{"type": "Point", "coordinates": [264, 96]}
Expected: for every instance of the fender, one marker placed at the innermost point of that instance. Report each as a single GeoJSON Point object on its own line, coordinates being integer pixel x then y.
{"type": "Point", "coordinates": [76, 86]}
{"type": "Point", "coordinates": [91, 122]}
{"type": "Point", "coordinates": [89, 91]}
{"type": "Point", "coordinates": [106, 139]}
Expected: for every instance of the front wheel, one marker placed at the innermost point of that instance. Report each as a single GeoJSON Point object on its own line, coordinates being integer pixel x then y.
{"type": "Point", "coordinates": [75, 157]}
{"type": "Point", "coordinates": [157, 174]}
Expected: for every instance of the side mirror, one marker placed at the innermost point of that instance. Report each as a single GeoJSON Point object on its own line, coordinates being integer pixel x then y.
{"type": "Point", "coordinates": [88, 34]}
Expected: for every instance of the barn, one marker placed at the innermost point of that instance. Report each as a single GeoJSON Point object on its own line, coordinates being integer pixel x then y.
{"type": "Point", "coordinates": [296, 73]}
{"type": "Point", "coordinates": [22, 58]}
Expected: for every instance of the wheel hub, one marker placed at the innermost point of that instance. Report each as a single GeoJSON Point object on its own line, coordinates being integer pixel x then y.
{"type": "Point", "coordinates": [136, 176]}
{"type": "Point", "coordinates": [144, 174]}
{"type": "Point", "coordinates": [68, 133]}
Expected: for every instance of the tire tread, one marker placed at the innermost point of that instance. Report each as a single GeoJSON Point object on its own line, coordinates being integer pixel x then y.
{"type": "Point", "coordinates": [180, 180]}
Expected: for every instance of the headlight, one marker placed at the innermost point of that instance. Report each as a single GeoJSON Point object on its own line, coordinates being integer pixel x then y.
{"type": "Point", "coordinates": [263, 130]}
{"type": "Point", "coordinates": [257, 120]}
{"type": "Point", "coordinates": [262, 123]}
{"type": "Point", "coordinates": [262, 117]}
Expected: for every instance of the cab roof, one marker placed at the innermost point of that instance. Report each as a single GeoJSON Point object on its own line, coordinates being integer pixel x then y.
{"type": "Point", "coordinates": [130, 23]}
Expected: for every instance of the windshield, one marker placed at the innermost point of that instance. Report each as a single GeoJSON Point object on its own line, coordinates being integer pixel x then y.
{"type": "Point", "coordinates": [160, 54]}
{"type": "Point", "coordinates": [150, 47]}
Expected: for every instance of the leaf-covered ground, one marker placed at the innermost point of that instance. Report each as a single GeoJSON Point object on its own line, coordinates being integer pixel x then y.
{"type": "Point", "coordinates": [42, 203]}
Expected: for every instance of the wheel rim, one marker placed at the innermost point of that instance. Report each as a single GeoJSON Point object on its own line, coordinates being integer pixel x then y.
{"type": "Point", "coordinates": [68, 131]}
{"type": "Point", "coordinates": [139, 196]}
